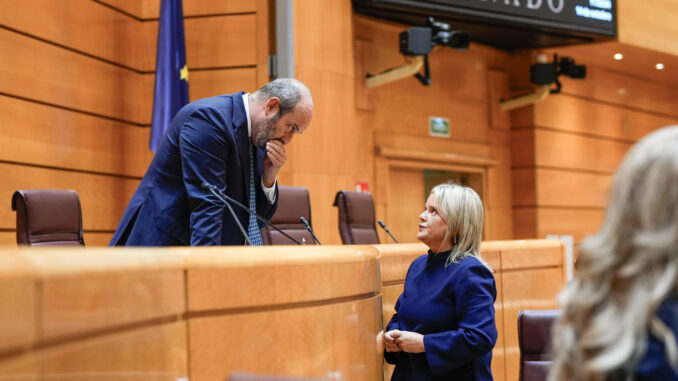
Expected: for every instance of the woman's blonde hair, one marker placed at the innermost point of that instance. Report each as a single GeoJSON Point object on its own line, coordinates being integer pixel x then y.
{"type": "Point", "coordinates": [625, 270]}
{"type": "Point", "coordinates": [462, 209]}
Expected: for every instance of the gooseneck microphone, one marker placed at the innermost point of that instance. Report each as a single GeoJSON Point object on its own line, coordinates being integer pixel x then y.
{"type": "Point", "coordinates": [212, 189]}
{"type": "Point", "coordinates": [226, 199]}
{"type": "Point", "coordinates": [383, 226]}
{"type": "Point", "coordinates": [308, 227]}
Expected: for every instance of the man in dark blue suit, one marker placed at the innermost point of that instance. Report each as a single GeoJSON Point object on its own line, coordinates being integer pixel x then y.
{"type": "Point", "coordinates": [235, 142]}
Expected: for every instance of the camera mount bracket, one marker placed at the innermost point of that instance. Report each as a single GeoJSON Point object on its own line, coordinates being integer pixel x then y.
{"type": "Point", "coordinates": [390, 75]}
{"type": "Point", "coordinates": [524, 100]}
{"type": "Point", "coordinates": [425, 79]}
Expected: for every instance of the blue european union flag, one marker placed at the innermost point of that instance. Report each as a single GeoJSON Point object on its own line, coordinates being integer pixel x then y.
{"type": "Point", "coordinates": [171, 72]}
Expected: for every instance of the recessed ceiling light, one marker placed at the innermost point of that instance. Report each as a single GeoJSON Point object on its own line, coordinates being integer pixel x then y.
{"type": "Point", "coordinates": [618, 56]}
{"type": "Point", "coordinates": [659, 66]}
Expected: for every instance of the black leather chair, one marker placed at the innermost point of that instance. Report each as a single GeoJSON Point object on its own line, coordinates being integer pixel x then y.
{"type": "Point", "coordinates": [357, 221]}
{"type": "Point", "coordinates": [48, 217]}
{"type": "Point", "coordinates": [293, 203]}
{"type": "Point", "coordinates": [534, 340]}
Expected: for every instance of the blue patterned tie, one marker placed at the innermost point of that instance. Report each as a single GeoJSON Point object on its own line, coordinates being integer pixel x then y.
{"type": "Point", "coordinates": [253, 232]}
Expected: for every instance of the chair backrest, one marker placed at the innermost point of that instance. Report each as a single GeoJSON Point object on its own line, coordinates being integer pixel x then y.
{"type": "Point", "coordinates": [357, 222]}
{"type": "Point", "coordinates": [534, 340]}
{"type": "Point", "coordinates": [48, 217]}
{"type": "Point", "coordinates": [293, 203]}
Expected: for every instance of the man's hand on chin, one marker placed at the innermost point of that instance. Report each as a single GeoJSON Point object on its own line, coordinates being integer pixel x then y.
{"type": "Point", "coordinates": [273, 161]}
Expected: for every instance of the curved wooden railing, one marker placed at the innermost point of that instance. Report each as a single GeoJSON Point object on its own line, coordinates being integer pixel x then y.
{"type": "Point", "coordinates": [203, 313]}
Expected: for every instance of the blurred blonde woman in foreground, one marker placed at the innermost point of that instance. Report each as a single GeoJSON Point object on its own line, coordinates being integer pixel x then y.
{"type": "Point", "coordinates": [620, 314]}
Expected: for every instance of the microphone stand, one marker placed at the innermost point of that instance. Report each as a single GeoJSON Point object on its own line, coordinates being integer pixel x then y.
{"type": "Point", "coordinates": [226, 199]}
{"type": "Point", "coordinates": [383, 226]}
{"type": "Point", "coordinates": [308, 227]}
{"type": "Point", "coordinates": [230, 209]}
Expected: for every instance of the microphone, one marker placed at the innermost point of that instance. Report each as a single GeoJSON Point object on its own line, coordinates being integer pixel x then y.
{"type": "Point", "coordinates": [226, 199]}
{"type": "Point", "coordinates": [308, 227]}
{"type": "Point", "coordinates": [211, 188]}
{"type": "Point", "coordinates": [383, 226]}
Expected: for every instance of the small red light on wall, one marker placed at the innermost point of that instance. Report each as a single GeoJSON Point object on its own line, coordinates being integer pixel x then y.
{"type": "Point", "coordinates": [362, 186]}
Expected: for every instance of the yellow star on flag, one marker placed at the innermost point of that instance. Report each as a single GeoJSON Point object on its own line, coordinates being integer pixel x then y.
{"type": "Point", "coordinates": [183, 73]}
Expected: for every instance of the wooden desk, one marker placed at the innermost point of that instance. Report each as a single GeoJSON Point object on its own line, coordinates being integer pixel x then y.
{"type": "Point", "coordinates": [202, 313]}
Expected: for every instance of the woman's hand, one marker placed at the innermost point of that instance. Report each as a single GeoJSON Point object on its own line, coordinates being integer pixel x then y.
{"type": "Point", "coordinates": [390, 341]}
{"type": "Point", "coordinates": [410, 342]}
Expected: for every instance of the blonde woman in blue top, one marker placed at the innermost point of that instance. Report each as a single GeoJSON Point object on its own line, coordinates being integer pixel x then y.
{"type": "Point", "coordinates": [444, 327]}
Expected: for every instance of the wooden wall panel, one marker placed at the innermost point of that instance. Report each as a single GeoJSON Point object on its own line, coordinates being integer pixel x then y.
{"type": "Point", "coordinates": [498, 196]}
{"type": "Point", "coordinates": [40, 71]}
{"type": "Point", "coordinates": [37, 134]}
{"type": "Point", "coordinates": [461, 96]}
{"type": "Point", "coordinates": [103, 198]}
{"type": "Point", "coordinates": [525, 223]}
{"type": "Point", "coordinates": [128, 288]}
{"type": "Point", "coordinates": [327, 39]}
{"type": "Point", "coordinates": [566, 148]}
{"type": "Point", "coordinates": [234, 278]}
{"type": "Point", "coordinates": [137, 9]}
{"type": "Point", "coordinates": [307, 289]}
{"type": "Point", "coordinates": [157, 353]}
{"type": "Point", "coordinates": [97, 239]}
{"type": "Point", "coordinates": [209, 83]}
{"type": "Point", "coordinates": [560, 188]}
{"type": "Point", "coordinates": [212, 7]}
{"type": "Point", "coordinates": [522, 148]}
{"type": "Point", "coordinates": [123, 298]}
{"type": "Point", "coordinates": [425, 143]}
{"type": "Point", "coordinates": [624, 90]}
{"type": "Point", "coordinates": [648, 26]}
{"type": "Point", "coordinates": [540, 222]}
{"type": "Point", "coordinates": [329, 145]}
{"type": "Point", "coordinates": [20, 368]}
{"type": "Point", "coordinates": [287, 339]}
{"type": "Point", "coordinates": [404, 220]}
{"type": "Point", "coordinates": [522, 294]}
{"type": "Point", "coordinates": [580, 116]}
{"type": "Point", "coordinates": [149, 9]}
{"type": "Point", "coordinates": [91, 28]}
{"type": "Point", "coordinates": [524, 185]}
{"type": "Point", "coordinates": [17, 299]}
{"type": "Point", "coordinates": [222, 41]}
{"type": "Point", "coordinates": [217, 41]}
{"type": "Point", "coordinates": [567, 151]}
{"type": "Point", "coordinates": [7, 238]}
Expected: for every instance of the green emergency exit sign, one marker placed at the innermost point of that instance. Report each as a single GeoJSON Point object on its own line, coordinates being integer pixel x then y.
{"type": "Point", "coordinates": [439, 127]}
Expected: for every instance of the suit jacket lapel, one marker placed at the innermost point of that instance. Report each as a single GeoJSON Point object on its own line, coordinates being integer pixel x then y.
{"type": "Point", "coordinates": [242, 139]}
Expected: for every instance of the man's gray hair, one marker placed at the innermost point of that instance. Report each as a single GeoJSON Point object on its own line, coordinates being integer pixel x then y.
{"type": "Point", "coordinates": [289, 90]}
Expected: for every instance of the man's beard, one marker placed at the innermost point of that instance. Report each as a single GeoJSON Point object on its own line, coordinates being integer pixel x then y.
{"type": "Point", "coordinates": [266, 131]}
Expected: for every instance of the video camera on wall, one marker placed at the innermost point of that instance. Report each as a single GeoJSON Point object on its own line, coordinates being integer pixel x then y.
{"type": "Point", "coordinates": [546, 73]}
{"type": "Point", "coordinates": [419, 40]}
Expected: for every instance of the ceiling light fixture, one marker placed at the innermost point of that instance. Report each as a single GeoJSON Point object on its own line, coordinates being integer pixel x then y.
{"type": "Point", "coordinates": [618, 56]}
{"type": "Point", "coordinates": [659, 66]}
